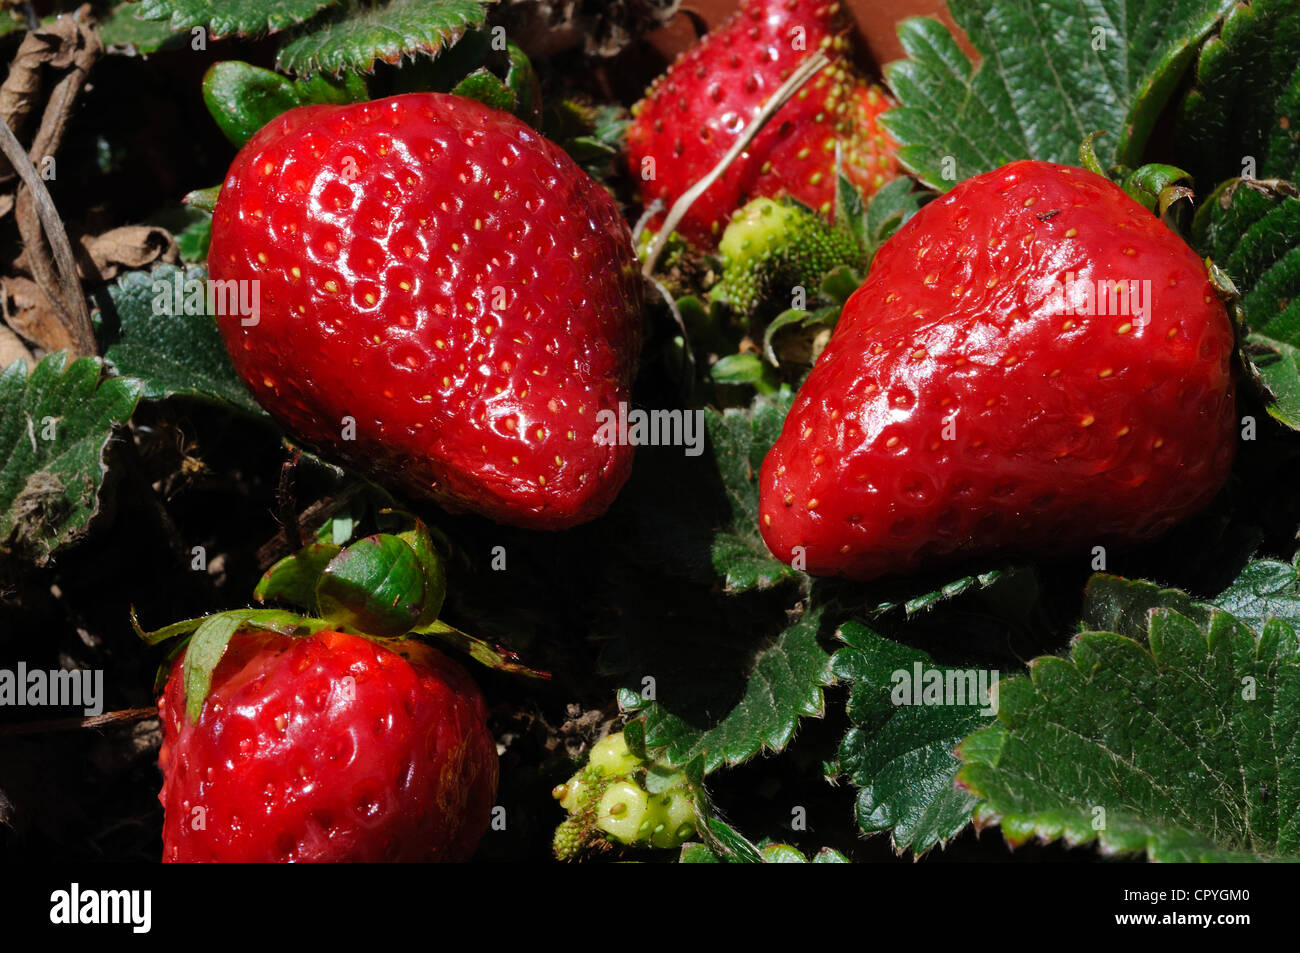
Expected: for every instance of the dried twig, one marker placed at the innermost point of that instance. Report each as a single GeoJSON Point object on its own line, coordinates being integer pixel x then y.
{"type": "Point", "coordinates": [110, 719]}
{"type": "Point", "coordinates": [312, 517]}
{"type": "Point", "coordinates": [70, 43]}
{"type": "Point", "coordinates": [806, 71]}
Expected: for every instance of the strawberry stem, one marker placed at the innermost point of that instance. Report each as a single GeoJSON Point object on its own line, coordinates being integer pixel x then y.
{"type": "Point", "coordinates": [806, 71]}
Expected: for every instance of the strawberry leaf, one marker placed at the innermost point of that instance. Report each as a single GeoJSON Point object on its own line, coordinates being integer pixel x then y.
{"type": "Point", "coordinates": [1120, 605]}
{"type": "Point", "coordinates": [243, 98]}
{"type": "Point", "coordinates": [1265, 590]}
{"type": "Point", "coordinates": [785, 684]}
{"type": "Point", "coordinates": [1251, 230]}
{"type": "Point", "coordinates": [124, 32]}
{"type": "Point", "coordinates": [173, 350]}
{"type": "Point", "coordinates": [900, 756]}
{"type": "Point", "coordinates": [55, 426]}
{"type": "Point", "coordinates": [1180, 745]}
{"type": "Point", "coordinates": [740, 440]}
{"type": "Point", "coordinates": [239, 17]}
{"type": "Point", "coordinates": [1238, 118]}
{"type": "Point", "coordinates": [389, 32]}
{"type": "Point", "coordinates": [1050, 74]}
{"type": "Point", "coordinates": [195, 235]}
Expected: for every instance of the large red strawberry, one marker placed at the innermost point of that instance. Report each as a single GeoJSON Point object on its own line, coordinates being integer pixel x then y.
{"type": "Point", "coordinates": [971, 400]}
{"type": "Point", "coordinates": [326, 748]}
{"type": "Point", "coordinates": [695, 112]}
{"type": "Point", "coordinates": [447, 302]}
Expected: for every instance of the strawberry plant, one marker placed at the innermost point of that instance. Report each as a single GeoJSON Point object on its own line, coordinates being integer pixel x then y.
{"type": "Point", "coordinates": [526, 431]}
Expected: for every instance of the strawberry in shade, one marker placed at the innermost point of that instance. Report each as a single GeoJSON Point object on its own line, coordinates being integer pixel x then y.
{"type": "Point", "coordinates": [335, 735]}
{"type": "Point", "coordinates": [693, 114]}
{"type": "Point", "coordinates": [447, 303]}
{"type": "Point", "coordinates": [323, 749]}
{"type": "Point", "coordinates": [988, 390]}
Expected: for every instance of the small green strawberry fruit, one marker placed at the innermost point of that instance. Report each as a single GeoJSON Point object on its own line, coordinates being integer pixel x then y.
{"type": "Point", "coordinates": [773, 247]}
{"type": "Point", "coordinates": [608, 800]}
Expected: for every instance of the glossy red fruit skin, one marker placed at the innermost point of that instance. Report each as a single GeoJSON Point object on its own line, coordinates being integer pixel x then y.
{"type": "Point", "coordinates": [1067, 431]}
{"type": "Point", "coordinates": [291, 762]}
{"type": "Point", "coordinates": [693, 114]}
{"type": "Point", "coordinates": [441, 274]}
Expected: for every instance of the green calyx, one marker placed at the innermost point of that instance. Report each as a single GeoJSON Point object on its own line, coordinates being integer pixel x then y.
{"type": "Point", "coordinates": [1156, 187]}
{"type": "Point", "coordinates": [385, 585]}
{"type": "Point", "coordinates": [382, 587]}
{"type": "Point", "coordinates": [610, 800]}
{"type": "Point", "coordinates": [771, 248]}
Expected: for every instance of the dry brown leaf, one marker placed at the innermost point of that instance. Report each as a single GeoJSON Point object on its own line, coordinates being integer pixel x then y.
{"type": "Point", "coordinates": [30, 313]}
{"type": "Point", "coordinates": [129, 247]}
{"type": "Point", "coordinates": [13, 349]}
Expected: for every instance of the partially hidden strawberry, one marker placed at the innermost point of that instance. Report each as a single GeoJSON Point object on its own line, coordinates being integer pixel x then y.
{"type": "Point", "coordinates": [447, 302]}
{"type": "Point", "coordinates": [693, 114]}
{"type": "Point", "coordinates": [326, 748]}
{"type": "Point", "coordinates": [977, 398]}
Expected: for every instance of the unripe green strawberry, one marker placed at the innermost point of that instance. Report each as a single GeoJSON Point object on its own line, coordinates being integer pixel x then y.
{"type": "Point", "coordinates": [621, 811]}
{"type": "Point", "coordinates": [772, 247]}
{"type": "Point", "coordinates": [612, 758]}
{"type": "Point", "coordinates": [608, 798]}
{"type": "Point", "coordinates": [676, 812]}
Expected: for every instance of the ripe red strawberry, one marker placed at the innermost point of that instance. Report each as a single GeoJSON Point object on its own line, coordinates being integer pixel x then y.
{"type": "Point", "coordinates": [327, 748]}
{"type": "Point", "coordinates": [439, 273]}
{"type": "Point", "coordinates": [694, 113]}
{"type": "Point", "coordinates": [961, 410]}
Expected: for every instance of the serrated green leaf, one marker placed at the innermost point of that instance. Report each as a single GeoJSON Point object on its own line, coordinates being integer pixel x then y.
{"type": "Point", "coordinates": [1119, 605]}
{"type": "Point", "coordinates": [172, 351]}
{"type": "Point", "coordinates": [122, 30]}
{"type": "Point", "coordinates": [242, 98]}
{"type": "Point", "coordinates": [785, 684]}
{"type": "Point", "coordinates": [1264, 590]}
{"type": "Point", "coordinates": [740, 440]}
{"type": "Point", "coordinates": [1183, 748]}
{"type": "Point", "coordinates": [1278, 366]}
{"type": "Point", "coordinates": [239, 17]}
{"type": "Point", "coordinates": [899, 754]}
{"type": "Point", "coordinates": [1052, 72]}
{"type": "Point", "coordinates": [390, 32]}
{"type": "Point", "coordinates": [1251, 230]}
{"type": "Point", "coordinates": [915, 594]}
{"type": "Point", "coordinates": [1246, 97]}
{"type": "Point", "coordinates": [192, 241]}
{"type": "Point", "coordinates": [55, 425]}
